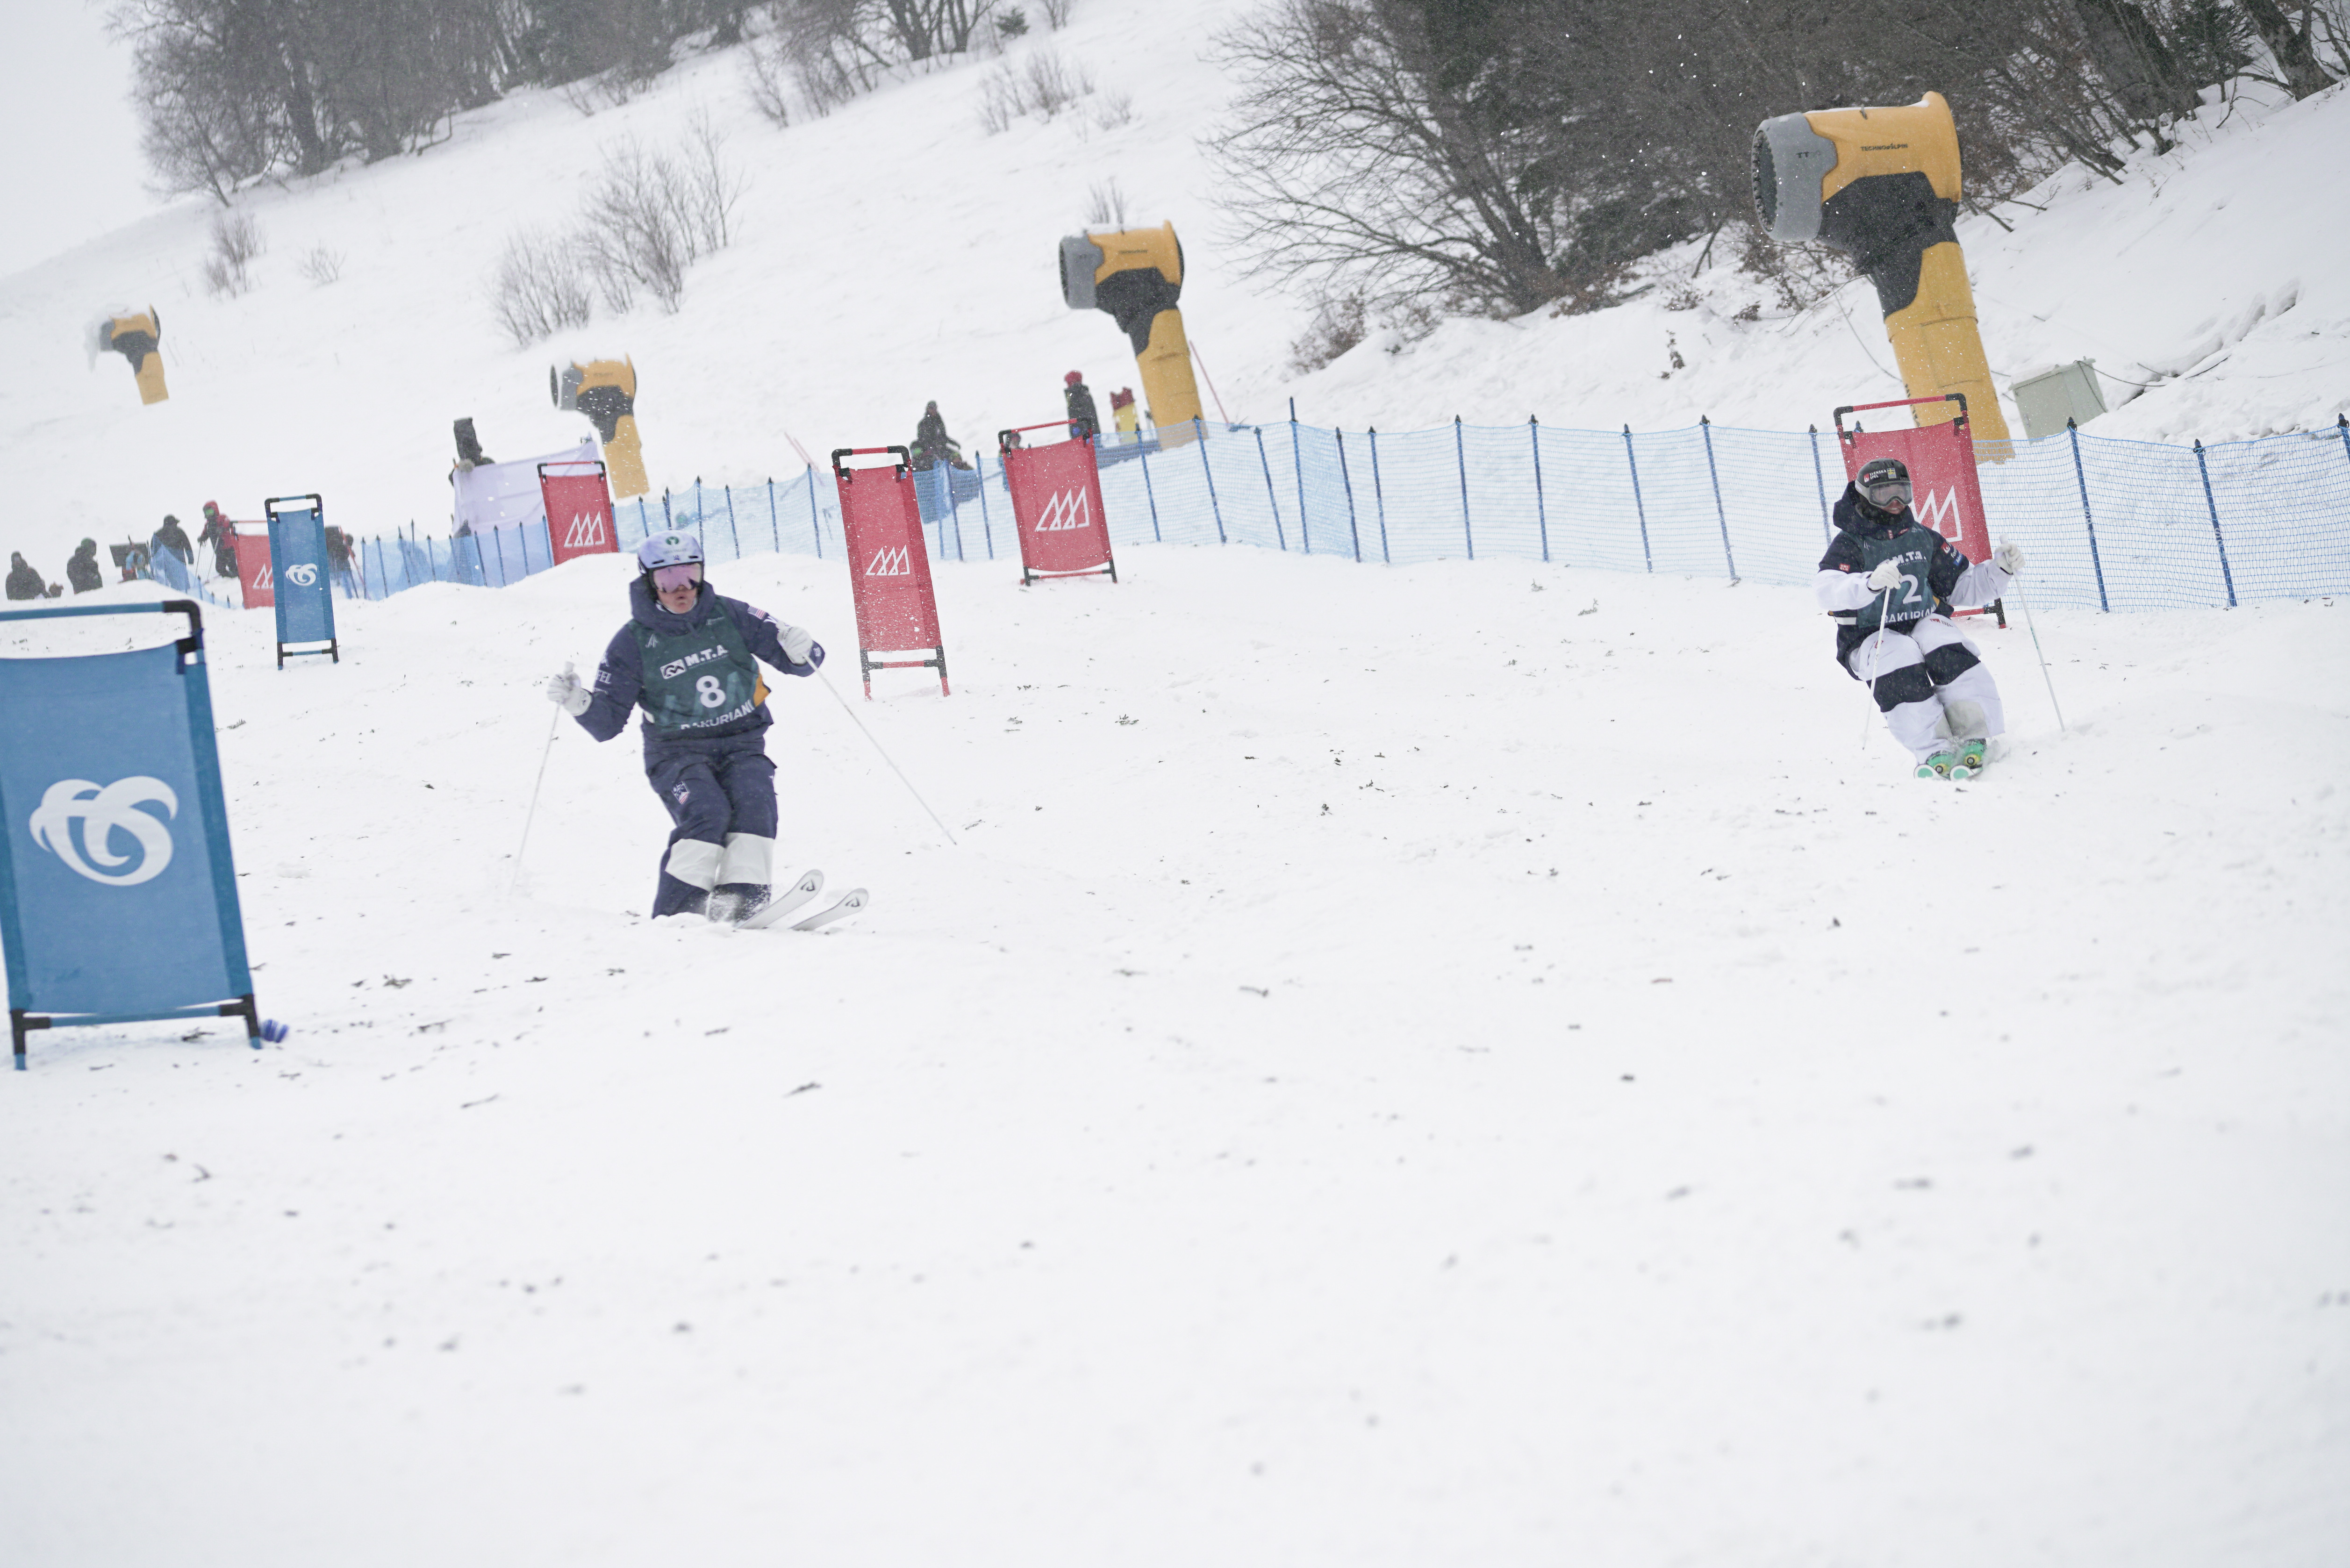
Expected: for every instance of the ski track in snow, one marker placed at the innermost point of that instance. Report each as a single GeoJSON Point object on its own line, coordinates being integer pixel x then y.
{"type": "Point", "coordinates": [1470, 1074]}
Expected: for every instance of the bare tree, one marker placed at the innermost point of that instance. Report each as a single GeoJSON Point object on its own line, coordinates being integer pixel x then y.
{"type": "Point", "coordinates": [2292, 44]}
{"type": "Point", "coordinates": [1350, 156]}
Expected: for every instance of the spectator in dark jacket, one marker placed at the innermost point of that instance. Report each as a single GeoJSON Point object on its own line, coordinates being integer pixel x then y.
{"type": "Point", "coordinates": [173, 537]}
{"type": "Point", "coordinates": [338, 559]}
{"type": "Point", "coordinates": [24, 583]}
{"type": "Point", "coordinates": [932, 445]}
{"type": "Point", "coordinates": [81, 568]}
{"type": "Point", "coordinates": [221, 534]}
{"type": "Point", "coordinates": [1083, 419]}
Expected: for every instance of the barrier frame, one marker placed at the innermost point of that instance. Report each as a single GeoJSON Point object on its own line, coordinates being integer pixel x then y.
{"type": "Point", "coordinates": [317, 508]}
{"type": "Point", "coordinates": [559, 549]}
{"type": "Point", "coordinates": [213, 808]}
{"type": "Point", "coordinates": [1915, 448]}
{"type": "Point", "coordinates": [1006, 451]}
{"type": "Point", "coordinates": [912, 543]}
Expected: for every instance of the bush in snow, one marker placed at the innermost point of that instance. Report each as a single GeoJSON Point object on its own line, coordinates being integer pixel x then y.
{"type": "Point", "coordinates": [654, 215]}
{"type": "Point", "coordinates": [1041, 84]}
{"type": "Point", "coordinates": [236, 240]}
{"type": "Point", "coordinates": [539, 288]}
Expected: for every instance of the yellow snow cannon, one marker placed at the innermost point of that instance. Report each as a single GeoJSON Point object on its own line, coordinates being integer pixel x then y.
{"type": "Point", "coordinates": [1882, 185]}
{"type": "Point", "coordinates": [1137, 276]}
{"type": "Point", "coordinates": [138, 338]}
{"type": "Point", "coordinates": [606, 391]}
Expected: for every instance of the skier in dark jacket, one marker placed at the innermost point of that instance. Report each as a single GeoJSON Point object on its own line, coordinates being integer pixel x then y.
{"type": "Point", "coordinates": [24, 583]}
{"type": "Point", "coordinates": [339, 560]}
{"type": "Point", "coordinates": [689, 658]}
{"type": "Point", "coordinates": [81, 568]}
{"type": "Point", "coordinates": [221, 534]}
{"type": "Point", "coordinates": [1084, 420]}
{"type": "Point", "coordinates": [173, 537]}
{"type": "Point", "coordinates": [1890, 583]}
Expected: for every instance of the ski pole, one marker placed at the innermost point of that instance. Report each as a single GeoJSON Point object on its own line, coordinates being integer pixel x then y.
{"type": "Point", "coordinates": [1876, 660]}
{"type": "Point", "coordinates": [532, 815]}
{"type": "Point", "coordinates": [876, 746]}
{"type": "Point", "coordinates": [2033, 628]}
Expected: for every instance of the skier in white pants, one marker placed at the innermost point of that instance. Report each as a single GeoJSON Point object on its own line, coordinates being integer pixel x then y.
{"type": "Point", "coordinates": [1890, 583]}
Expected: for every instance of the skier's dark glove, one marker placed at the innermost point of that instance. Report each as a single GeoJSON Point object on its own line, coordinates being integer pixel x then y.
{"type": "Point", "coordinates": [814, 658]}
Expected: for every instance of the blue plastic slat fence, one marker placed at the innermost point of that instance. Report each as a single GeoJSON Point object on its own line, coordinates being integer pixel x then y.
{"type": "Point", "coordinates": [2121, 524]}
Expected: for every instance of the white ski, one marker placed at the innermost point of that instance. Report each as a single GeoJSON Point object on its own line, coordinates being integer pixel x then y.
{"type": "Point", "coordinates": [850, 902]}
{"type": "Point", "coordinates": [794, 896]}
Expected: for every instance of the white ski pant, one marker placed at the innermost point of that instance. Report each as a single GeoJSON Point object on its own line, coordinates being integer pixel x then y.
{"type": "Point", "coordinates": [1922, 671]}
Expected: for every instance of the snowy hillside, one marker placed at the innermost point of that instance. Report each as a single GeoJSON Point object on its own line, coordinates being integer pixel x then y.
{"type": "Point", "coordinates": [1461, 1064]}
{"type": "Point", "coordinates": [895, 252]}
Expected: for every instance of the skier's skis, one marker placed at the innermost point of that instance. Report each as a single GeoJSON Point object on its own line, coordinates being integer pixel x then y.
{"type": "Point", "coordinates": [850, 902]}
{"type": "Point", "coordinates": [792, 897]}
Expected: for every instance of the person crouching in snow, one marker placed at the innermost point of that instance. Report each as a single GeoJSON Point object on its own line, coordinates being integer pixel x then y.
{"type": "Point", "coordinates": [1890, 583]}
{"type": "Point", "coordinates": [688, 657]}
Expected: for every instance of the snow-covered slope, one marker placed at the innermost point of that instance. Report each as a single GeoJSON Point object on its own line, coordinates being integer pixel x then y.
{"type": "Point", "coordinates": [894, 252]}
{"type": "Point", "coordinates": [1482, 1068]}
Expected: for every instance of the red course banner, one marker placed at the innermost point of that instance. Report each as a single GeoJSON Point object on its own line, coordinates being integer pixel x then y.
{"type": "Point", "coordinates": [578, 510]}
{"type": "Point", "coordinates": [1946, 491]}
{"type": "Point", "coordinates": [253, 574]}
{"type": "Point", "coordinates": [889, 565]}
{"type": "Point", "coordinates": [1057, 509]}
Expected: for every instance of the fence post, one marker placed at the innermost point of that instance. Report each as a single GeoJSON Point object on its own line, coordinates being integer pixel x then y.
{"type": "Point", "coordinates": [1648, 561]}
{"type": "Point", "coordinates": [1380, 495]}
{"type": "Point", "coordinates": [669, 518]}
{"type": "Point", "coordinates": [2204, 469]}
{"type": "Point", "coordinates": [1819, 477]}
{"type": "Point", "coordinates": [816, 518]}
{"type": "Point", "coordinates": [986, 527]}
{"type": "Point", "coordinates": [1279, 537]}
{"type": "Point", "coordinates": [1353, 530]}
{"type": "Point", "coordinates": [1461, 456]}
{"type": "Point", "coordinates": [775, 526]}
{"type": "Point", "coordinates": [1142, 456]}
{"type": "Point", "coordinates": [1541, 514]}
{"type": "Point", "coordinates": [1297, 463]}
{"type": "Point", "coordinates": [732, 537]}
{"type": "Point", "coordinates": [1705, 425]}
{"type": "Point", "coordinates": [2089, 522]}
{"type": "Point", "coordinates": [1200, 434]}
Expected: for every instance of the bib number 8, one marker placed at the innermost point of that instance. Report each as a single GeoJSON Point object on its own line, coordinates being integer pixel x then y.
{"type": "Point", "coordinates": [714, 694]}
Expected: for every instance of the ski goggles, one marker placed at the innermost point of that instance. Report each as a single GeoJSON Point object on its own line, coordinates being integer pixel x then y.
{"type": "Point", "coordinates": [669, 580]}
{"type": "Point", "coordinates": [1883, 493]}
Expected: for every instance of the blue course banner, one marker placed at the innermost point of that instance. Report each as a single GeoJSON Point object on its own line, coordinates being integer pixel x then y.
{"type": "Point", "coordinates": [117, 896]}
{"type": "Point", "coordinates": [297, 558]}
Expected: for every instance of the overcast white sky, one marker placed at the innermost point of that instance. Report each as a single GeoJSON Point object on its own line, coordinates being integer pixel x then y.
{"type": "Point", "coordinates": [72, 171]}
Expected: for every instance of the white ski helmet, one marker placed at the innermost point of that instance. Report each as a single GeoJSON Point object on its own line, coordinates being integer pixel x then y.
{"type": "Point", "coordinates": [670, 549]}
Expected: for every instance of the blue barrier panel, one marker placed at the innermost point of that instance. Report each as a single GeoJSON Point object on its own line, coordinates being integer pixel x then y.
{"type": "Point", "coordinates": [117, 896]}
{"type": "Point", "coordinates": [304, 591]}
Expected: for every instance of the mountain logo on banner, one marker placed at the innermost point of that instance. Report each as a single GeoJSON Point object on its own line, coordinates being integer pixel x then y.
{"type": "Point", "coordinates": [103, 812]}
{"type": "Point", "coordinates": [302, 575]}
{"type": "Point", "coordinates": [1940, 512]}
{"type": "Point", "coordinates": [895, 562]}
{"type": "Point", "coordinates": [585, 531]}
{"type": "Point", "coordinates": [262, 582]}
{"type": "Point", "coordinates": [1070, 512]}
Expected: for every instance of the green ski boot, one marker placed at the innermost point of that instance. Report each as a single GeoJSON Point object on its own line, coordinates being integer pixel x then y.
{"type": "Point", "coordinates": [1939, 765]}
{"type": "Point", "coordinates": [1970, 758]}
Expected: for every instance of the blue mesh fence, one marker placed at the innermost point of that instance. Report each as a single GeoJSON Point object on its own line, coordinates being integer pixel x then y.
{"type": "Point", "coordinates": [2112, 525]}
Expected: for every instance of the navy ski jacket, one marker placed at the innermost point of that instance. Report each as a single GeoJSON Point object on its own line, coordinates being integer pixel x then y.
{"type": "Point", "coordinates": [621, 678]}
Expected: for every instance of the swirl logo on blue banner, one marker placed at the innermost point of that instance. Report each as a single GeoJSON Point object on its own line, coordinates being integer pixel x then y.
{"type": "Point", "coordinates": [301, 575]}
{"type": "Point", "coordinates": [103, 812]}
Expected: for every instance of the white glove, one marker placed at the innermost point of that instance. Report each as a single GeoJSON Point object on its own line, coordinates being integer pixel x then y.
{"type": "Point", "coordinates": [1888, 574]}
{"type": "Point", "coordinates": [797, 641]}
{"type": "Point", "coordinates": [566, 693]}
{"type": "Point", "coordinates": [2008, 558]}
